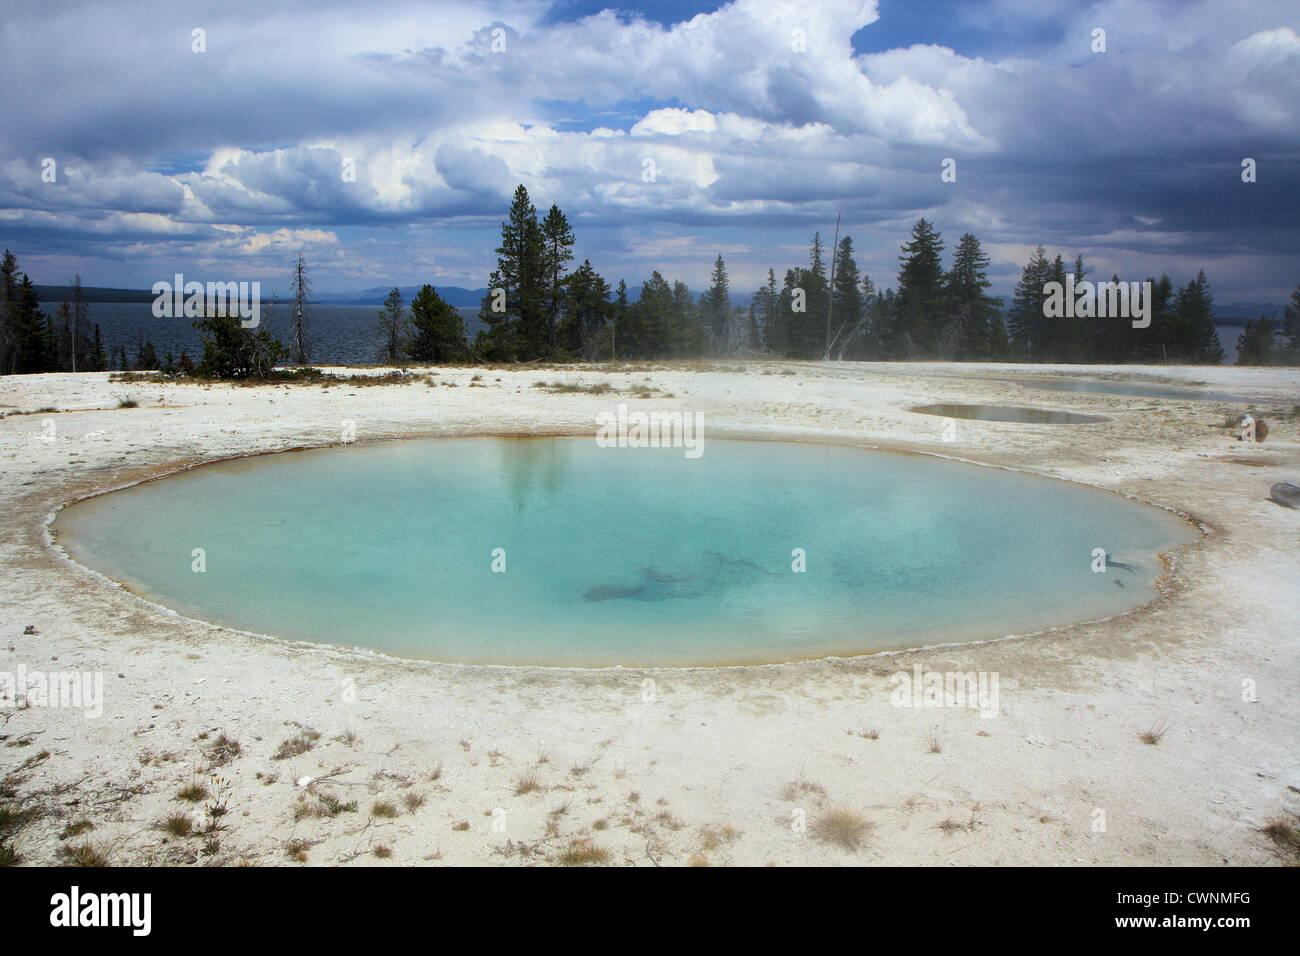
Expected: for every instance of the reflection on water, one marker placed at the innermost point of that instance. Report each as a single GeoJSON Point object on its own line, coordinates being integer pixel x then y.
{"type": "Point", "coordinates": [528, 465]}
{"type": "Point", "coordinates": [1009, 413]}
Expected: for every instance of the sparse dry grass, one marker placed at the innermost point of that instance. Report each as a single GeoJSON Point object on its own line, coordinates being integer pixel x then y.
{"type": "Point", "coordinates": [1154, 734]}
{"type": "Point", "coordinates": [582, 851]}
{"type": "Point", "coordinates": [842, 826]}
{"type": "Point", "coordinates": [384, 809]}
{"type": "Point", "coordinates": [75, 829]}
{"type": "Point", "coordinates": [297, 745]}
{"type": "Point", "coordinates": [222, 751]}
{"type": "Point", "coordinates": [84, 854]}
{"type": "Point", "coordinates": [192, 793]}
{"type": "Point", "coordinates": [177, 825]}
{"type": "Point", "coordinates": [1284, 832]}
{"type": "Point", "coordinates": [950, 826]}
{"type": "Point", "coordinates": [527, 782]}
{"type": "Point", "coordinates": [797, 788]}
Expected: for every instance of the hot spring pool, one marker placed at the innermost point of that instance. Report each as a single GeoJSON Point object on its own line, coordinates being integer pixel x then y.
{"type": "Point", "coordinates": [1009, 413]}
{"type": "Point", "coordinates": [620, 555]}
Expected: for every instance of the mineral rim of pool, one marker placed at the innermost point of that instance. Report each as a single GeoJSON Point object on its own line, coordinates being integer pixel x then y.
{"type": "Point", "coordinates": [555, 551]}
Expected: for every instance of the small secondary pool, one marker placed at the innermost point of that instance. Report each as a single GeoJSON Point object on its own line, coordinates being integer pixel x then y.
{"type": "Point", "coordinates": [1009, 413]}
{"type": "Point", "coordinates": [556, 551]}
{"type": "Point", "coordinates": [1137, 389]}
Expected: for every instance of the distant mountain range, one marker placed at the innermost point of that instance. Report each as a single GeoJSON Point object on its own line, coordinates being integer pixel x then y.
{"type": "Point", "coordinates": [1234, 313]}
{"type": "Point", "coordinates": [453, 295]}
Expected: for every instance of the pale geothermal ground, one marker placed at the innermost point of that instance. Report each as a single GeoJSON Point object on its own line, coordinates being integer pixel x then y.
{"type": "Point", "coordinates": [719, 764]}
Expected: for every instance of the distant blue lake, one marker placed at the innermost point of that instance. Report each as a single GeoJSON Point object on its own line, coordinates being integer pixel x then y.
{"type": "Point", "coordinates": [341, 334]}
{"type": "Point", "coordinates": [632, 556]}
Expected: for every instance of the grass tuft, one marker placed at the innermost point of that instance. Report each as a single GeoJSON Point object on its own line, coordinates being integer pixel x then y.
{"type": "Point", "coordinates": [528, 782]}
{"type": "Point", "coordinates": [83, 855]}
{"type": "Point", "coordinates": [583, 852]}
{"type": "Point", "coordinates": [178, 825]}
{"type": "Point", "coordinates": [297, 745]}
{"type": "Point", "coordinates": [1153, 735]}
{"type": "Point", "coordinates": [842, 826]}
{"type": "Point", "coordinates": [1284, 831]}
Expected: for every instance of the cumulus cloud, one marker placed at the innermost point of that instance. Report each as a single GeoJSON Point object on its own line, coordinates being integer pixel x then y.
{"type": "Point", "coordinates": [359, 131]}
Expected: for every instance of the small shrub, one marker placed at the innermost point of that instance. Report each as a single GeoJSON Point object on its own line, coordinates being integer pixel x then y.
{"type": "Point", "coordinates": [333, 806]}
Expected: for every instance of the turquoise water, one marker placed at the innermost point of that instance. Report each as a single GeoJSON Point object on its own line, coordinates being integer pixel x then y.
{"type": "Point", "coordinates": [621, 555]}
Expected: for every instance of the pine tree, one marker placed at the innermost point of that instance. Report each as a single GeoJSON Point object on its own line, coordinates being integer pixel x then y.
{"type": "Point", "coordinates": [647, 330]}
{"type": "Point", "coordinates": [1255, 345]}
{"type": "Point", "coordinates": [847, 308]}
{"type": "Point", "coordinates": [557, 236]}
{"type": "Point", "coordinates": [789, 329]}
{"type": "Point", "coordinates": [766, 303]}
{"type": "Point", "coordinates": [688, 335]}
{"type": "Point", "coordinates": [587, 294]}
{"type": "Point", "coordinates": [497, 341]}
{"type": "Point", "coordinates": [1291, 327]}
{"type": "Point", "coordinates": [1025, 321]}
{"type": "Point", "coordinates": [438, 332]}
{"type": "Point", "coordinates": [715, 304]}
{"type": "Point", "coordinates": [32, 333]}
{"type": "Point", "coordinates": [392, 329]}
{"type": "Point", "coordinates": [146, 357]}
{"type": "Point", "coordinates": [99, 360]}
{"type": "Point", "coordinates": [8, 313]}
{"type": "Point", "coordinates": [1197, 341]}
{"type": "Point", "coordinates": [973, 315]}
{"type": "Point", "coordinates": [521, 272]}
{"type": "Point", "coordinates": [618, 319]}
{"type": "Point", "coordinates": [920, 290]}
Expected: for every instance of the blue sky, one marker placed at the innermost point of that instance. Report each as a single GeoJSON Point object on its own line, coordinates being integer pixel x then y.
{"type": "Point", "coordinates": [763, 121]}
